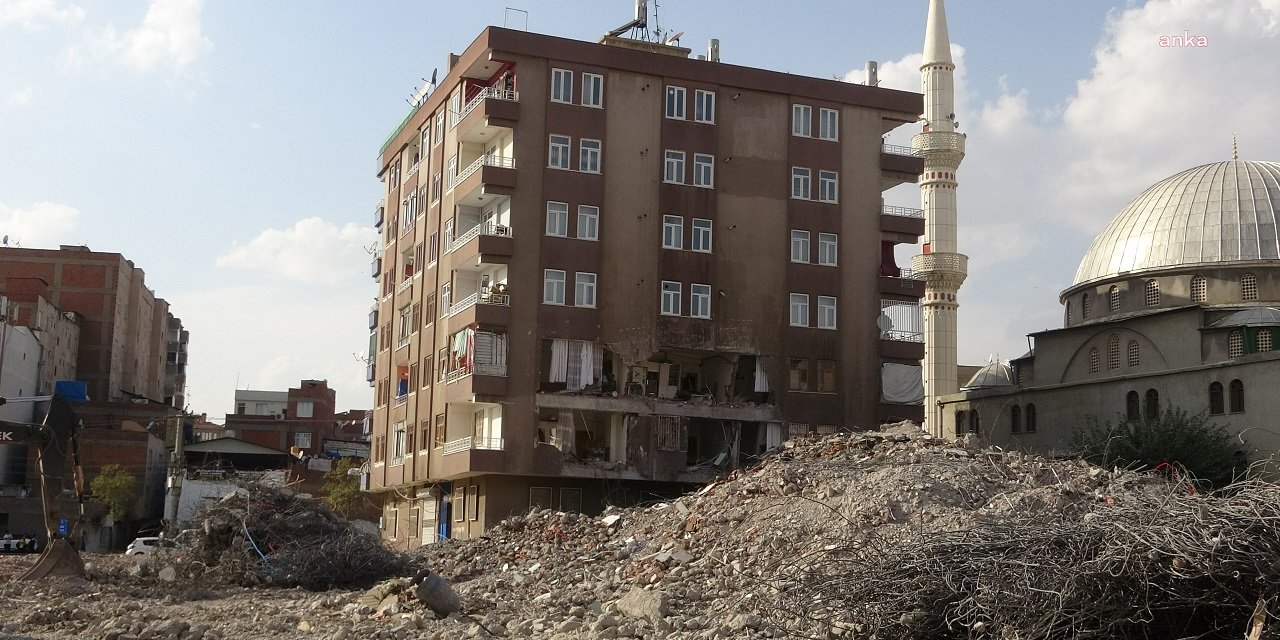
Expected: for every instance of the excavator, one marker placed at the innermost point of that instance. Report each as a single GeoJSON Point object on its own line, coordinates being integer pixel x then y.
{"type": "Point", "coordinates": [56, 443]}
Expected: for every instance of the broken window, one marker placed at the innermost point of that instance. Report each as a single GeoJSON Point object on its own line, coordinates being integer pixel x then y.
{"type": "Point", "coordinates": [798, 378]}
{"type": "Point", "coordinates": [571, 500]}
{"type": "Point", "coordinates": [577, 363]}
{"type": "Point", "coordinates": [540, 497]}
{"type": "Point", "coordinates": [827, 376]}
{"type": "Point", "coordinates": [670, 436]}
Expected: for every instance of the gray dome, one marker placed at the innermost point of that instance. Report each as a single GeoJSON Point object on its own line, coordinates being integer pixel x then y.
{"type": "Point", "coordinates": [1254, 317]}
{"type": "Point", "coordinates": [1213, 214]}
{"type": "Point", "coordinates": [996, 374]}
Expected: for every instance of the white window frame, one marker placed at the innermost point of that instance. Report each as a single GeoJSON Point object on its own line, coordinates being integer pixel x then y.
{"type": "Point", "coordinates": [588, 218]}
{"type": "Point", "coordinates": [828, 186]}
{"type": "Point", "coordinates": [557, 218]}
{"type": "Point", "coordinates": [828, 124]}
{"type": "Point", "coordinates": [558, 151]}
{"type": "Point", "coordinates": [800, 247]}
{"type": "Point", "coordinates": [704, 170]}
{"type": "Point", "coordinates": [827, 312]}
{"type": "Point", "coordinates": [704, 106]}
{"type": "Point", "coordinates": [439, 128]}
{"type": "Point", "coordinates": [592, 90]}
{"type": "Point", "coordinates": [589, 155]}
{"type": "Point", "coordinates": [674, 104]}
{"type": "Point", "coordinates": [553, 281]}
{"type": "Point", "coordinates": [673, 167]}
{"type": "Point", "coordinates": [700, 301]}
{"type": "Point", "coordinates": [801, 183]}
{"type": "Point", "coordinates": [828, 249]}
{"type": "Point", "coordinates": [799, 310]}
{"type": "Point", "coordinates": [700, 235]}
{"type": "Point", "coordinates": [562, 86]}
{"type": "Point", "coordinates": [584, 289]}
{"type": "Point", "coordinates": [670, 298]}
{"type": "Point", "coordinates": [673, 232]}
{"type": "Point", "coordinates": [802, 120]}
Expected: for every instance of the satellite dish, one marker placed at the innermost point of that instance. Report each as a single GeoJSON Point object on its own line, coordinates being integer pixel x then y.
{"type": "Point", "coordinates": [5, 241]}
{"type": "Point", "coordinates": [675, 40]}
{"type": "Point", "coordinates": [884, 323]}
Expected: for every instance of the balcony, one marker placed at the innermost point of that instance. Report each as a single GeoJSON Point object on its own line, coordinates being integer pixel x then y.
{"type": "Point", "coordinates": [474, 442]}
{"type": "Point", "coordinates": [472, 455]}
{"type": "Point", "coordinates": [483, 309]}
{"type": "Point", "coordinates": [482, 244]}
{"type": "Point", "coordinates": [901, 329]}
{"type": "Point", "coordinates": [906, 283]}
{"type": "Point", "coordinates": [487, 114]}
{"type": "Point", "coordinates": [476, 380]}
{"type": "Point", "coordinates": [900, 164]}
{"type": "Point", "coordinates": [906, 223]}
{"type": "Point", "coordinates": [404, 284]}
{"type": "Point", "coordinates": [482, 180]}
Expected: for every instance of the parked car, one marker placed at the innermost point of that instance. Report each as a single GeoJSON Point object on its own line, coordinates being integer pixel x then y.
{"type": "Point", "coordinates": [147, 545]}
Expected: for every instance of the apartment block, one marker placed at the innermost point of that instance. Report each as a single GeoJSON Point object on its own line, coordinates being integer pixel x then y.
{"type": "Point", "coordinates": [611, 270]}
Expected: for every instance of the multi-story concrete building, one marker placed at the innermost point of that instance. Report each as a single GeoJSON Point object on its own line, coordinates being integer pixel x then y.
{"type": "Point", "coordinates": [304, 417]}
{"type": "Point", "coordinates": [175, 368]}
{"type": "Point", "coordinates": [611, 269]}
{"type": "Point", "coordinates": [57, 331]}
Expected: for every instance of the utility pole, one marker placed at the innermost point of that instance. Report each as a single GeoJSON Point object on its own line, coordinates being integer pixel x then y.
{"type": "Point", "coordinates": [177, 471]}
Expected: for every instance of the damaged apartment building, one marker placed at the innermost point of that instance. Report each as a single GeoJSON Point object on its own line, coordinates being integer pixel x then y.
{"type": "Point", "coordinates": [611, 270]}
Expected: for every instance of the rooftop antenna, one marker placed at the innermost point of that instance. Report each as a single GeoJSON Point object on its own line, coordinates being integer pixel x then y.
{"type": "Point", "coordinates": [639, 23]}
{"type": "Point", "coordinates": [1235, 152]}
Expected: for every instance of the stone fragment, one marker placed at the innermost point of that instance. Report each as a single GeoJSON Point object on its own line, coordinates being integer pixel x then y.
{"type": "Point", "coordinates": [644, 604]}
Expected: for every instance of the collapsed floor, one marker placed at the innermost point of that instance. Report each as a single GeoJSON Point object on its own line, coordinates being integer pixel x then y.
{"type": "Point", "coordinates": [886, 535]}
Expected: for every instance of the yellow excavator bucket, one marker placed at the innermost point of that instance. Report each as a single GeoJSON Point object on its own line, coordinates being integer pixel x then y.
{"type": "Point", "coordinates": [59, 559]}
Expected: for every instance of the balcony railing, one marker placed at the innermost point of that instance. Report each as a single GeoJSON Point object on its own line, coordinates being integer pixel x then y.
{"type": "Point", "coordinates": [412, 170]}
{"type": "Point", "coordinates": [899, 150]}
{"type": "Point", "coordinates": [404, 284]}
{"type": "Point", "coordinates": [474, 442]}
{"type": "Point", "coordinates": [901, 321]}
{"type": "Point", "coordinates": [479, 298]}
{"type": "Point", "coordinates": [902, 212]}
{"type": "Point", "coordinates": [499, 370]}
{"type": "Point", "coordinates": [907, 273]}
{"type": "Point", "coordinates": [487, 92]}
{"type": "Point", "coordinates": [401, 399]}
{"type": "Point", "coordinates": [487, 229]}
{"type": "Point", "coordinates": [486, 160]}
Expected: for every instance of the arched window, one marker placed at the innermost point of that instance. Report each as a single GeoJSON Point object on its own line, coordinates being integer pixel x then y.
{"type": "Point", "coordinates": [1085, 307]}
{"type": "Point", "coordinates": [1152, 409]}
{"type": "Point", "coordinates": [1015, 419]}
{"type": "Point", "coordinates": [1031, 418]}
{"type": "Point", "coordinates": [974, 421]}
{"type": "Point", "coordinates": [1199, 289]}
{"type": "Point", "coordinates": [1113, 352]}
{"type": "Point", "coordinates": [1067, 314]}
{"type": "Point", "coordinates": [1236, 397]}
{"type": "Point", "coordinates": [962, 422]}
{"type": "Point", "coordinates": [1152, 291]}
{"type": "Point", "coordinates": [1114, 297]}
{"type": "Point", "coordinates": [1248, 287]}
{"type": "Point", "coordinates": [1095, 361]}
{"type": "Point", "coordinates": [1216, 406]}
{"type": "Point", "coordinates": [1133, 353]}
{"type": "Point", "coordinates": [1264, 340]}
{"type": "Point", "coordinates": [1131, 410]}
{"type": "Point", "coordinates": [1235, 344]}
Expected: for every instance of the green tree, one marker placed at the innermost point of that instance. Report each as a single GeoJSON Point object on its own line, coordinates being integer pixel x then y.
{"type": "Point", "coordinates": [1206, 450]}
{"type": "Point", "coordinates": [116, 488]}
{"type": "Point", "coordinates": [342, 490]}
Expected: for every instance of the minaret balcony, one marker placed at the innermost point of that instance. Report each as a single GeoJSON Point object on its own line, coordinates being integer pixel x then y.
{"type": "Point", "coordinates": [931, 142]}
{"type": "Point", "coordinates": [947, 263]}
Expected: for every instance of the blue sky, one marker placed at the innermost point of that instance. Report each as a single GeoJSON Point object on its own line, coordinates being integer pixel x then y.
{"type": "Point", "coordinates": [228, 148]}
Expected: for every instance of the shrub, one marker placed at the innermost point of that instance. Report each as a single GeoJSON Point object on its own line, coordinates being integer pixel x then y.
{"type": "Point", "coordinates": [1207, 451]}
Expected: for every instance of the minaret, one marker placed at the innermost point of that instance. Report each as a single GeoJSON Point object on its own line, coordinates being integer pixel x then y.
{"type": "Point", "coordinates": [941, 266]}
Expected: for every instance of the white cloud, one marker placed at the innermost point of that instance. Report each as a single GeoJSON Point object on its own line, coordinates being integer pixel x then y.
{"type": "Point", "coordinates": [312, 251]}
{"type": "Point", "coordinates": [35, 14]}
{"type": "Point", "coordinates": [19, 97]}
{"type": "Point", "coordinates": [42, 225]}
{"type": "Point", "coordinates": [170, 36]}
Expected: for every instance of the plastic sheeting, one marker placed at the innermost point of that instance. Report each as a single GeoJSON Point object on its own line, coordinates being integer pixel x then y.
{"type": "Point", "coordinates": [901, 383]}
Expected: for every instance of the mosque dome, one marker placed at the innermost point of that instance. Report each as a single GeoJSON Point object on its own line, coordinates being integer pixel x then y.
{"type": "Point", "coordinates": [1212, 215]}
{"type": "Point", "coordinates": [997, 374]}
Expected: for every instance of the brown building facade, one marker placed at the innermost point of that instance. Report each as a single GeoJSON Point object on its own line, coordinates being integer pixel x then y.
{"type": "Point", "coordinates": [610, 270]}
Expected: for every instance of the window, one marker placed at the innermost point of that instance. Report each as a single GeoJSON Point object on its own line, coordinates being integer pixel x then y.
{"type": "Point", "coordinates": [473, 501]}
{"type": "Point", "coordinates": [829, 124]}
{"type": "Point", "coordinates": [700, 235]}
{"type": "Point", "coordinates": [557, 218]}
{"type": "Point", "coordinates": [588, 222]}
{"type": "Point", "coordinates": [1236, 396]}
{"type": "Point", "coordinates": [672, 232]}
{"type": "Point", "coordinates": [584, 289]}
{"type": "Point", "coordinates": [675, 102]}
{"type": "Point", "coordinates": [1015, 419]}
{"type": "Point", "coordinates": [302, 439]}
{"type": "Point", "coordinates": [798, 374]}
{"type": "Point", "coordinates": [1152, 293]}
{"type": "Point", "coordinates": [589, 156]}
{"type": "Point", "coordinates": [448, 235]}
{"type": "Point", "coordinates": [673, 167]}
{"type": "Point", "coordinates": [1131, 411]}
{"type": "Point", "coordinates": [1113, 352]}
{"type": "Point", "coordinates": [436, 182]}
{"type": "Point", "coordinates": [1113, 295]}
{"type": "Point", "coordinates": [439, 128]}
{"type": "Point", "coordinates": [552, 286]}
{"type": "Point", "coordinates": [799, 310]}
{"type": "Point", "coordinates": [800, 179]}
{"type": "Point", "coordinates": [1095, 362]}
{"type": "Point", "coordinates": [828, 186]}
{"type": "Point", "coordinates": [1031, 418]}
{"type": "Point", "coordinates": [1264, 340]}
{"type": "Point", "coordinates": [1199, 289]}
{"type": "Point", "coordinates": [1151, 408]}
{"type": "Point", "coordinates": [592, 90]}
{"type": "Point", "coordinates": [704, 106]}
{"type": "Point", "coordinates": [827, 376]}
{"type": "Point", "coordinates": [397, 443]}
{"type": "Point", "coordinates": [669, 434]}
{"type": "Point", "coordinates": [801, 120]}
{"type": "Point", "coordinates": [452, 170]}
{"type": "Point", "coordinates": [446, 298]}
{"type": "Point", "coordinates": [799, 245]}
{"type": "Point", "coordinates": [1066, 314]}
{"type": "Point", "coordinates": [1235, 344]}
{"type": "Point", "coordinates": [306, 409]}
{"type": "Point", "coordinates": [828, 246]}
{"type": "Point", "coordinates": [558, 155]}
{"type": "Point", "coordinates": [571, 500]}
{"type": "Point", "coordinates": [962, 422]}
{"type": "Point", "coordinates": [700, 301]}
{"type": "Point", "coordinates": [1248, 287]}
{"type": "Point", "coordinates": [1133, 354]}
{"type": "Point", "coordinates": [428, 309]}
{"type": "Point", "coordinates": [826, 312]}
{"type": "Point", "coordinates": [439, 430]}
{"type": "Point", "coordinates": [670, 298]}
{"type": "Point", "coordinates": [455, 106]}
{"type": "Point", "coordinates": [704, 170]}
{"type": "Point", "coordinates": [1216, 405]}
{"type": "Point", "coordinates": [975, 421]}
{"type": "Point", "coordinates": [1086, 308]}
{"type": "Point", "coordinates": [561, 85]}
{"type": "Point", "coordinates": [459, 500]}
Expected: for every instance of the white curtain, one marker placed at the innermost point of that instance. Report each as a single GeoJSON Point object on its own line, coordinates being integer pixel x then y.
{"type": "Point", "coordinates": [559, 361]}
{"type": "Point", "coordinates": [762, 381]}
